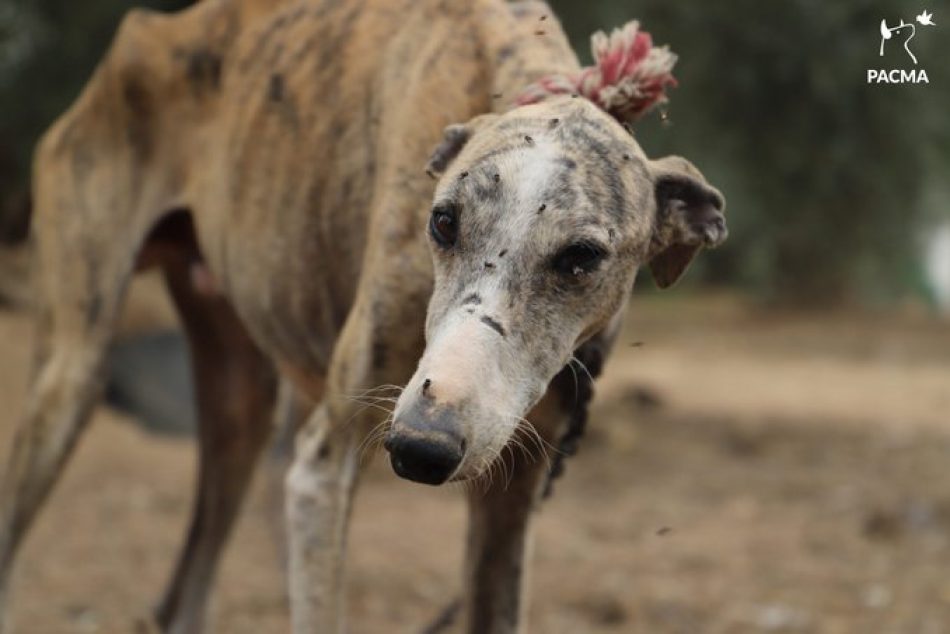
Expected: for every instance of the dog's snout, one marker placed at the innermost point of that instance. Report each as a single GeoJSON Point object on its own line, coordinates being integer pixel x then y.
{"type": "Point", "coordinates": [429, 459]}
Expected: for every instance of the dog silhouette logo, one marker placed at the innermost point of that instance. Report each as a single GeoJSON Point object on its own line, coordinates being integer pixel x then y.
{"type": "Point", "coordinates": [887, 32]}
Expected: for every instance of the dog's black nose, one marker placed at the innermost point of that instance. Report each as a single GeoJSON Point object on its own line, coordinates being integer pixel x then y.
{"type": "Point", "coordinates": [429, 460]}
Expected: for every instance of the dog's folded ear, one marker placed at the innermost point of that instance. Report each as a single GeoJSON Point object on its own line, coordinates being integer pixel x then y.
{"type": "Point", "coordinates": [689, 216]}
{"type": "Point", "coordinates": [454, 138]}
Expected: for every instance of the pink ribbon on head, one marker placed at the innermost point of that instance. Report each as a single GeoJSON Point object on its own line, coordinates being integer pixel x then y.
{"type": "Point", "coordinates": [629, 76]}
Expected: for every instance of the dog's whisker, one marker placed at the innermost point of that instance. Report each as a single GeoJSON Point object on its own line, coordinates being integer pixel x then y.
{"type": "Point", "coordinates": [510, 472]}
{"type": "Point", "coordinates": [374, 438]}
{"type": "Point", "coordinates": [574, 359]}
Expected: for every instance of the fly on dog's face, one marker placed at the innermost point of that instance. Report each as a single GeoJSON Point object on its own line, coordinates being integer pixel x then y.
{"type": "Point", "coordinates": [537, 230]}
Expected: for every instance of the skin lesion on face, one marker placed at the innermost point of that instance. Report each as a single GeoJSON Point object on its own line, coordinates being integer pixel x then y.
{"type": "Point", "coordinates": [494, 325]}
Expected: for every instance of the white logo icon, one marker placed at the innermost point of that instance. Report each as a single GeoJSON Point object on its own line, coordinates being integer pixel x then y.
{"type": "Point", "coordinates": [925, 19]}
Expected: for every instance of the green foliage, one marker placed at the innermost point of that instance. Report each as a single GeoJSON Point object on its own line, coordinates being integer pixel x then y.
{"type": "Point", "coordinates": [48, 49]}
{"type": "Point", "coordinates": [58, 43]}
{"type": "Point", "coordinates": [824, 173]}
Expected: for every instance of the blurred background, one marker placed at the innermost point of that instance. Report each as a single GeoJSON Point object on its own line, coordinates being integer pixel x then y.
{"type": "Point", "coordinates": [770, 443]}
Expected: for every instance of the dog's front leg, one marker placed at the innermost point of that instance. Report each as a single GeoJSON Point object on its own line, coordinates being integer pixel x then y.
{"type": "Point", "coordinates": [499, 532]}
{"type": "Point", "coordinates": [493, 600]}
{"type": "Point", "coordinates": [319, 488]}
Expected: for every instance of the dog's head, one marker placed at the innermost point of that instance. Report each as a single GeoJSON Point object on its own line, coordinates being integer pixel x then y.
{"type": "Point", "coordinates": [541, 219]}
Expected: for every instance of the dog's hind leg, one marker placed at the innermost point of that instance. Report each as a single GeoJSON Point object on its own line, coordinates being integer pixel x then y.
{"type": "Point", "coordinates": [103, 174]}
{"type": "Point", "coordinates": [82, 263]}
{"type": "Point", "coordinates": [236, 391]}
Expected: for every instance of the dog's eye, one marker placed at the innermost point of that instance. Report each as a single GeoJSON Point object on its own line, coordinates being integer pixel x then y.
{"type": "Point", "coordinates": [444, 226]}
{"type": "Point", "coordinates": [577, 259]}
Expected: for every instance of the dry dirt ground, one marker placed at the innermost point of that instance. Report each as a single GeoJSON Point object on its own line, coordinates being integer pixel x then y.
{"type": "Point", "coordinates": [745, 471]}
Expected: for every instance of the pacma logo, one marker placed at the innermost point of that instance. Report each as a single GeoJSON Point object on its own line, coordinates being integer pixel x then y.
{"type": "Point", "coordinates": [907, 31]}
{"type": "Point", "coordinates": [897, 76]}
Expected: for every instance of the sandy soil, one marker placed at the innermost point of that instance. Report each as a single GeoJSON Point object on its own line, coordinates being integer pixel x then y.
{"type": "Point", "coordinates": [744, 472]}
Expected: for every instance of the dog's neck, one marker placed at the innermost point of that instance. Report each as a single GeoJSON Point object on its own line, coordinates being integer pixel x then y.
{"type": "Point", "coordinates": [523, 42]}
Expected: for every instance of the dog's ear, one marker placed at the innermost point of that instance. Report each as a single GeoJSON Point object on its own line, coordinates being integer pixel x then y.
{"type": "Point", "coordinates": [689, 216]}
{"type": "Point", "coordinates": [454, 138]}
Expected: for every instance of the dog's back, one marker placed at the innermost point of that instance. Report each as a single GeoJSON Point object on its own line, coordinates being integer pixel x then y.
{"type": "Point", "coordinates": [282, 127]}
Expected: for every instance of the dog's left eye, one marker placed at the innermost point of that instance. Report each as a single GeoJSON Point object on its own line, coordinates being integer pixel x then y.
{"type": "Point", "coordinates": [577, 259]}
{"type": "Point", "coordinates": [444, 226]}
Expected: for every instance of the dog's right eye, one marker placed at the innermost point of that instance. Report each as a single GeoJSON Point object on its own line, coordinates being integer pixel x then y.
{"type": "Point", "coordinates": [444, 226]}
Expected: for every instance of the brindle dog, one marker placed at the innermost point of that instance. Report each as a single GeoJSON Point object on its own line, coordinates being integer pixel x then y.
{"type": "Point", "coordinates": [268, 155]}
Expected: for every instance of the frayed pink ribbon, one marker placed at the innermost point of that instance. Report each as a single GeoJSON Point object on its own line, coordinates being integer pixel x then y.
{"type": "Point", "coordinates": [629, 76]}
